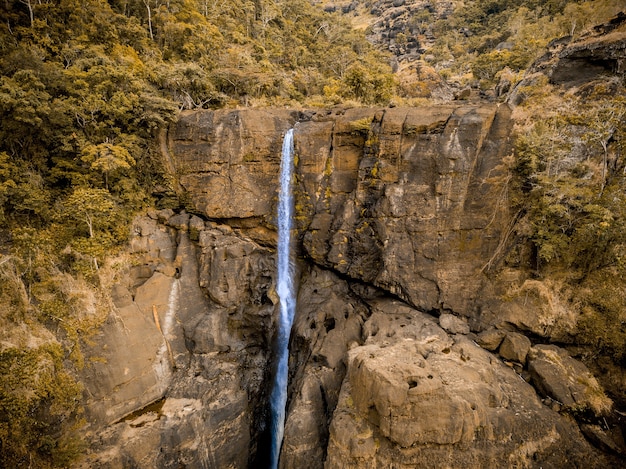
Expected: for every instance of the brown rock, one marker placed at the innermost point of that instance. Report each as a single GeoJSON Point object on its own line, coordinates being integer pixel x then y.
{"type": "Point", "coordinates": [453, 324]}
{"type": "Point", "coordinates": [168, 382]}
{"type": "Point", "coordinates": [490, 339]}
{"type": "Point", "coordinates": [402, 198]}
{"type": "Point", "coordinates": [557, 375]}
{"type": "Point", "coordinates": [514, 347]}
{"type": "Point", "coordinates": [229, 160]}
{"type": "Point", "coordinates": [417, 396]}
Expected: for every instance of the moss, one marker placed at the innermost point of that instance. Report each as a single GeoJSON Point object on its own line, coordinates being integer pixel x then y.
{"type": "Point", "coordinates": [372, 141]}
{"type": "Point", "coordinates": [328, 167]}
{"type": "Point", "coordinates": [361, 125]}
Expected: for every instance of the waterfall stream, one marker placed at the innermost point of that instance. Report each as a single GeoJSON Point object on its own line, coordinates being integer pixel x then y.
{"type": "Point", "coordinates": [286, 294]}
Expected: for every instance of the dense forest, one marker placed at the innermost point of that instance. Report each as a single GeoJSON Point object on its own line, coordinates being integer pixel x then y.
{"type": "Point", "coordinates": [85, 86]}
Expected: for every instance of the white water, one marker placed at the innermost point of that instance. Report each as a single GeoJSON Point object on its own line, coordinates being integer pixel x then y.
{"type": "Point", "coordinates": [285, 290]}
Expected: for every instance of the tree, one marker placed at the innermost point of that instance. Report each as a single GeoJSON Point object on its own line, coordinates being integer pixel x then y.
{"type": "Point", "coordinates": [94, 208]}
{"type": "Point", "coordinates": [107, 158]}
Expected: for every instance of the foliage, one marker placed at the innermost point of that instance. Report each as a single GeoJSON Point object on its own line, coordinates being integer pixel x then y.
{"type": "Point", "coordinates": [39, 401]}
{"type": "Point", "coordinates": [570, 186]}
{"type": "Point", "coordinates": [84, 88]}
{"type": "Point", "coordinates": [603, 310]}
{"type": "Point", "coordinates": [486, 36]}
{"type": "Point", "coordinates": [570, 174]}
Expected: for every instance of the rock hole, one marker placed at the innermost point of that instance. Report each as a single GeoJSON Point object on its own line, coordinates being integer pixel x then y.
{"type": "Point", "coordinates": [329, 324]}
{"type": "Point", "coordinates": [412, 383]}
{"type": "Point", "coordinates": [313, 325]}
{"type": "Point", "coordinates": [346, 314]}
{"type": "Point", "coordinates": [373, 416]}
{"type": "Point", "coordinates": [430, 376]}
{"type": "Point", "coordinates": [446, 350]}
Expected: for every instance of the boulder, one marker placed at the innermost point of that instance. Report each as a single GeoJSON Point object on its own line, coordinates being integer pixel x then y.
{"type": "Point", "coordinates": [490, 339]}
{"type": "Point", "coordinates": [514, 347]}
{"type": "Point", "coordinates": [453, 324]}
{"type": "Point", "coordinates": [562, 378]}
{"type": "Point", "coordinates": [413, 395]}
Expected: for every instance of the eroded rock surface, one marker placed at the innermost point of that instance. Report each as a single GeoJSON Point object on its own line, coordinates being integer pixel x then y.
{"type": "Point", "coordinates": [406, 199]}
{"type": "Point", "coordinates": [390, 203]}
{"type": "Point", "coordinates": [401, 227]}
{"type": "Point", "coordinates": [185, 350]}
{"type": "Point", "coordinates": [416, 397]}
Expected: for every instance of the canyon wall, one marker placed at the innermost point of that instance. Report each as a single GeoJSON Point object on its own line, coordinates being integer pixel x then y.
{"type": "Point", "coordinates": [411, 340]}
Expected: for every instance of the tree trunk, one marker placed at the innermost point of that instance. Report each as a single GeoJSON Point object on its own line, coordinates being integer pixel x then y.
{"type": "Point", "coordinates": [147, 4]}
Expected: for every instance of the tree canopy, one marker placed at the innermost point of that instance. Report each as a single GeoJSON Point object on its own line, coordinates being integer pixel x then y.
{"type": "Point", "coordinates": [86, 85]}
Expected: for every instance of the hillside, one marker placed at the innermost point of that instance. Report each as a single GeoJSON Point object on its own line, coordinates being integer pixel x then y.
{"type": "Point", "coordinates": [88, 90]}
{"type": "Point", "coordinates": [466, 43]}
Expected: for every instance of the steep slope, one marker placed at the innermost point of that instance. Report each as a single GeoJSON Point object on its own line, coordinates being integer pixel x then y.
{"type": "Point", "coordinates": [397, 203]}
{"type": "Point", "coordinates": [441, 249]}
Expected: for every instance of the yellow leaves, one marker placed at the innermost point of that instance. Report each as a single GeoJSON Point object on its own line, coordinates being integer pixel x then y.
{"type": "Point", "coordinates": [23, 98]}
{"type": "Point", "coordinates": [33, 383]}
{"type": "Point", "coordinates": [128, 58]}
{"type": "Point", "coordinates": [107, 157]}
{"type": "Point", "coordinates": [361, 125]}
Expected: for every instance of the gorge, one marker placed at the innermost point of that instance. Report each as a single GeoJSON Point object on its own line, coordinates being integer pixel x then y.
{"type": "Point", "coordinates": [411, 339]}
{"type": "Point", "coordinates": [312, 233]}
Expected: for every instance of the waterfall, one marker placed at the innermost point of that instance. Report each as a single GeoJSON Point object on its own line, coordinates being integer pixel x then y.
{"type": "Point", "coordinates": [286, 294]}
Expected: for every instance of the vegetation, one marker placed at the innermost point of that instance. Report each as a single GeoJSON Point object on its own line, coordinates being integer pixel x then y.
{"type": "Point", "coordinates": [86, 85]}
{"type": "Point", "coordinates": [570, 187]}
{"type": "Point", "coordinates": [486, 38]}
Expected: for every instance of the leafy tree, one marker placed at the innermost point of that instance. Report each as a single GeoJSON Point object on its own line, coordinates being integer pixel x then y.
{"type": "Point", "coordinates": [38, 399]}
{"type": "Point", "coordinates": [95, 210]}
{"type": "Point", "coordinates": [107, 158]}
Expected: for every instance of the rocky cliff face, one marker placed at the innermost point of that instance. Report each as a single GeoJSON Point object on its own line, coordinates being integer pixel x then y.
{"type": "Point", "coordinates": [410, 340]}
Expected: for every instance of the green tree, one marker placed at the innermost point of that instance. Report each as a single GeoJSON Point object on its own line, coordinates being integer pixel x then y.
{"type": "Point", "coordinates": [95, 210]}
{"type": "Point", "coordinates": [39, 400]}
{"type": "Point", "coordinates": [107, 158]}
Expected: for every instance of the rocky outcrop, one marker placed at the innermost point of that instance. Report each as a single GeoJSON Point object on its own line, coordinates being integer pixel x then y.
{"type": "Point", "coordinates": [419, 397]}
{"type": "Point", "coordinates": [177, 375]}
{"type": "Point", "coordinates": [408, 200]}
{"type": "Point", "coordinates": [405, 30]}
{"type": "Point", "coordinates": [400, 212]}
{"type": "Point", "coordinates": [413, 344]}
{"type": "Point", "coordinates": [599, 54]}
{"type": "Point", "coordinates": [566, 381]}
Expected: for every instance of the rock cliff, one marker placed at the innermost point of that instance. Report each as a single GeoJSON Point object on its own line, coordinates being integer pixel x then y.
{"type": "Point", "coordinates": [410, 344]}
